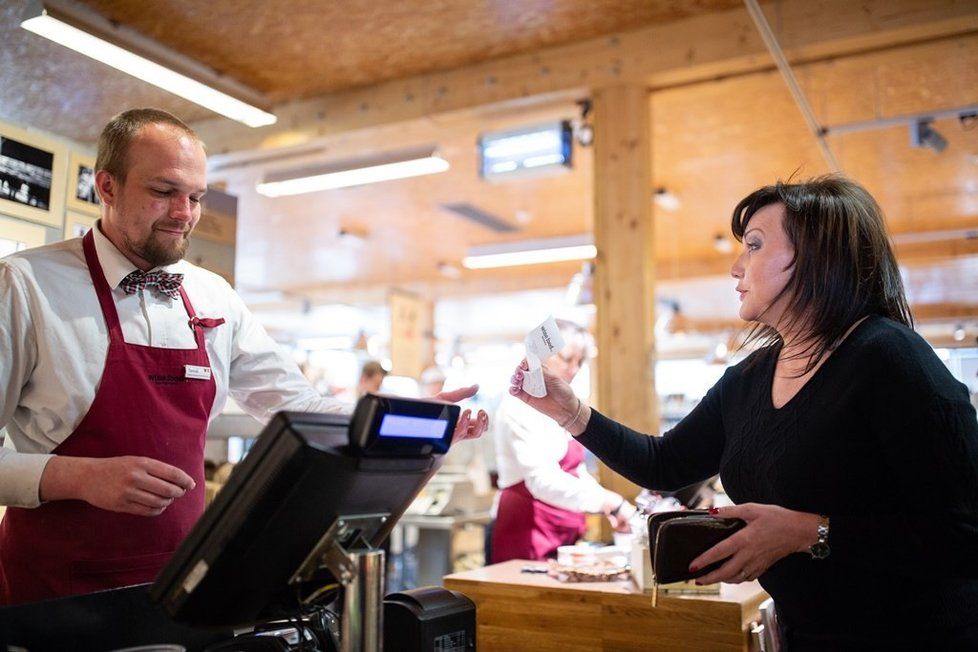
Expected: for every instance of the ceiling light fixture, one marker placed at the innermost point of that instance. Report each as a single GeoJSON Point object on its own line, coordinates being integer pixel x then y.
{"type": "Point", "coordinates": [922, 134]}
{"type": "Point", "coordinates": [531, 252]}
{"type": "Point", "coordinates": [722, 244]}
{"type": "Point", "coordinates": [86, 32]}
{"type": "Point", "coordinates": [352, 235]}
{"type": "Point", "coordinates": [355, 172]}
{"type": "Point", "coordinates": [449, 271]}
{"type": "Point", "coordinates": [583, 130]}
{"type": "Point", "coordinates": [665, 199]}
{"type": "Point", "coordinates": [959, 333]}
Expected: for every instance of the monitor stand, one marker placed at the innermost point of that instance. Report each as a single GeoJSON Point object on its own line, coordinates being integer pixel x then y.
{"type": "Point", "coordinates": [359, 567]}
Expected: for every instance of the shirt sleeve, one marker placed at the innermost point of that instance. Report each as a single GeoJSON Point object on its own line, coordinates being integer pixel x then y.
{"type": "Point", "coordinates": [20, 473]}
{"type": "Point", "coordinates": [535, 450]}
{"type": "Point", "coordinates": [264, 380]}
{"type": "Point", "coordinates": [690, 452]}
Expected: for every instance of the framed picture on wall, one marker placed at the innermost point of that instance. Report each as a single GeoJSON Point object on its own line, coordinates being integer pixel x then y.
{"type": "Point", "coordinates": [82, 196]}
{"type": "Point", "coordinates": [78, 224]}
{"type": "Point", "coordinates": [32, 176]}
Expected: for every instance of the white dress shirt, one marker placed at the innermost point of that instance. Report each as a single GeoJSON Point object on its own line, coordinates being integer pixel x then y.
{"type": "Point", "coordinates": [53, 345]}
{"type": "Point", "coordinates": [529, 447]}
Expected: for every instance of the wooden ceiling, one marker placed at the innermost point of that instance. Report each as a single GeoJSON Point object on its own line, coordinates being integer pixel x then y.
{"type": "Point", "coordinates": [356, 77]}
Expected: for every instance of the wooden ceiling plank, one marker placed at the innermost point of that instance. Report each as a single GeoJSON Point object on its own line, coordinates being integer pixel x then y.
{"type": "Point", "coordinates": [686, 51]}
{"type": "Point", "coordinates": [944, 311]}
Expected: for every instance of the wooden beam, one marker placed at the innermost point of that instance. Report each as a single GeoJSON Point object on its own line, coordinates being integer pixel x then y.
{"type": "Point", "coordinates": [929, 312]}
{"type": "Point", "coordinates": [688, 51]}
{"type": "Point", "coordinates": [483, 282]}
{"type": "Point", "coordinates": [921, 252]}
{"type": "Point", "coordinates": [917, 253]}
{"type": "Point", "coordinates": [624, 291]}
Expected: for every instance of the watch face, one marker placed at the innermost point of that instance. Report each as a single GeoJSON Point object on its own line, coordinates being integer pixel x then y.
{"type": "Point", "coordinates": [820, 550]}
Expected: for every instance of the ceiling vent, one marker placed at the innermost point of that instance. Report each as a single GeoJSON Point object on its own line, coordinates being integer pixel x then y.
{"type": "Point", "coordinates": [481, 217]}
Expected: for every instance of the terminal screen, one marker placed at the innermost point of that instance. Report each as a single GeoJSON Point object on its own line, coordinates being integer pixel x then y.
{"type": "Point", "coordinates": [398, 425]}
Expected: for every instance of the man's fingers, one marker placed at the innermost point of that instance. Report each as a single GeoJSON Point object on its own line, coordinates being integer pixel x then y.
{"type": "Point", "coordinates": [161, 488]}
{"type": "Point", "coordinates": [456, 395]}
{"type": "Point", "coordinates": [142, 510]}
{"type": "Point", "coordinates": [144, 501]}
{"type": "Point", "coordinates": [169, 473]}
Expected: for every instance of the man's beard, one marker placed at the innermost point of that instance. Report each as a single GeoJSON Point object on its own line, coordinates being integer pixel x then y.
{"type": "Point", "coordinates": [158, 253]}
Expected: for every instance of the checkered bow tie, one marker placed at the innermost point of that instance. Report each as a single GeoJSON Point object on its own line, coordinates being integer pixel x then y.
{"type": "Point", "coordinates": [162, 283]}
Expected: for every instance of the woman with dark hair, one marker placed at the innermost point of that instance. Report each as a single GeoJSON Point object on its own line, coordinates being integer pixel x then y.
{"type": "Point", "coordinates": [849, 449]}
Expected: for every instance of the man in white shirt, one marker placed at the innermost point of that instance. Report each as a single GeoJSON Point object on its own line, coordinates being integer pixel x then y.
{"type": "Point", "coordinates": [114, 355]}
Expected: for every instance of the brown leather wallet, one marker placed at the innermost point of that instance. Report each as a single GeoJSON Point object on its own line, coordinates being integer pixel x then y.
{"type": "Point", "coordinates": [677, 538]}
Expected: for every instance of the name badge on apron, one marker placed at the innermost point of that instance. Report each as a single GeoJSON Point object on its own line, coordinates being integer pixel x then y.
{"type": "Point", "coordinates": [196, 372]}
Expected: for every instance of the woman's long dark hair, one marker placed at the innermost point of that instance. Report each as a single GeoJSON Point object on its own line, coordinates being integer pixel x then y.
{"type": "Point", "coordinates": [843, 267]}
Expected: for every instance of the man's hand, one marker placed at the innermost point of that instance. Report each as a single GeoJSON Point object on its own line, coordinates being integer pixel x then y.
{"type": "Point", "coordinates": [467, 426]}
{"type": "Point", "coordinates": [130, 484]}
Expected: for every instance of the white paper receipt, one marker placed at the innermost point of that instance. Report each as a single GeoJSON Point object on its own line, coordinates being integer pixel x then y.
{"type": "Point", "coordinates": [541, 343]}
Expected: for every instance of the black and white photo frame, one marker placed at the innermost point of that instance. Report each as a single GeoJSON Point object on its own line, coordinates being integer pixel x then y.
{"type": "Point", "coordinates": [78, 224]}
{"type": "Point", "coordinates": [32, 176]}
{"type": "Point", "coordinates": [82, 196]}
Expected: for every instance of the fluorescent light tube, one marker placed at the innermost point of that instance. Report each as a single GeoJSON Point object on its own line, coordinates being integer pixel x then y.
{"type": "Point", "coordinates": [119, 58]}
{"type": "Point", "coordinates": [368, 170]}
{"type": "Point", "coordinates": [533, 252]}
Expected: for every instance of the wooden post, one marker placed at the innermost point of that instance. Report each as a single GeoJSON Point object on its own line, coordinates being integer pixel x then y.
{"type": "Point", "coordinates": [409, 316]}
{"type": "Point", "coordinates": [624, 274]}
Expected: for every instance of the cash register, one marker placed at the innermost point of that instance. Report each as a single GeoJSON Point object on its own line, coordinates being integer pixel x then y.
{"type": "Point", "coordinates": [290, 548]}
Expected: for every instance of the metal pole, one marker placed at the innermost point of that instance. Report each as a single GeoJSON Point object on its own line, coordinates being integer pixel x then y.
{"type": "Point", "coordinates": [363, 614]}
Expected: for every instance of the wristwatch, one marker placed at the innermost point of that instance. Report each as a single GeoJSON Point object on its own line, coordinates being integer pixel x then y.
{"type": "Point", "coordinates": [820, 549]}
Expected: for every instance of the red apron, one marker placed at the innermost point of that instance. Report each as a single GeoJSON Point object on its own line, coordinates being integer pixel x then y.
{"type": "Point", "coordinates": [144, 405]}
{"type": "Point", "coordinates": [526, 528]}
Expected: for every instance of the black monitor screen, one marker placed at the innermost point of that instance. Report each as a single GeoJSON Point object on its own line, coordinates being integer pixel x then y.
{"type": "Point", "coordinates": [304, 473]}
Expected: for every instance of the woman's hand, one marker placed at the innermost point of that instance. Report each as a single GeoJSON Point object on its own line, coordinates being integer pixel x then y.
{"type": "Point", "coordinates": [468, 427]}
{"type": "Point", "coordinates": [772, 533]}
{"type": "Point", "coordinates": [560, 403]}
{"type": "Point", "coordinates": [621, 519]}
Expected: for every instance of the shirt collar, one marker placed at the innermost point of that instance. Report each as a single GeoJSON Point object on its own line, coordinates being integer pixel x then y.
{"type": "Point", "coordinates": [114, 264]}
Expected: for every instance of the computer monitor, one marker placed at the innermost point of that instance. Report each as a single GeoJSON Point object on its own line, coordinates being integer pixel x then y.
{"type": "Point", "coordinates": [307, 472]}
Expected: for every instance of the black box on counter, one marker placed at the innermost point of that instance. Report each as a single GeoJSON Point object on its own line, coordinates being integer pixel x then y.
{"type": "Point", "coordinates": [428, 618]}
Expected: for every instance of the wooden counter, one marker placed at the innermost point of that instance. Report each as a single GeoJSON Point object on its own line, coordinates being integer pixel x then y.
{"type": "Point", "coordinates": [525, 611]}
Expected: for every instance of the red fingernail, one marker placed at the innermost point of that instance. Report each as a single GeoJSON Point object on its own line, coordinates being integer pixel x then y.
{"type": "Point", "coordinates": [714, 511]}
{"type": "Point", "coordinates": [693, 569]}
{"type": "Point", "coordinates": [699, 583]}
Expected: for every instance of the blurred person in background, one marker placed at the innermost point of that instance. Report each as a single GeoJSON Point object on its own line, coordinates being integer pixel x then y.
{"type": "Point", "coordinates": [372, 376]}
{"type": "Point", "coordinates": [432, 381]}
{"type": "Point", "coordinates": [545, 488]}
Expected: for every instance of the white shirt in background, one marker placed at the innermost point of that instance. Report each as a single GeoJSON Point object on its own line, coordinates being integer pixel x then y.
{"type": "Point", "coordinates": [529, 447]}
